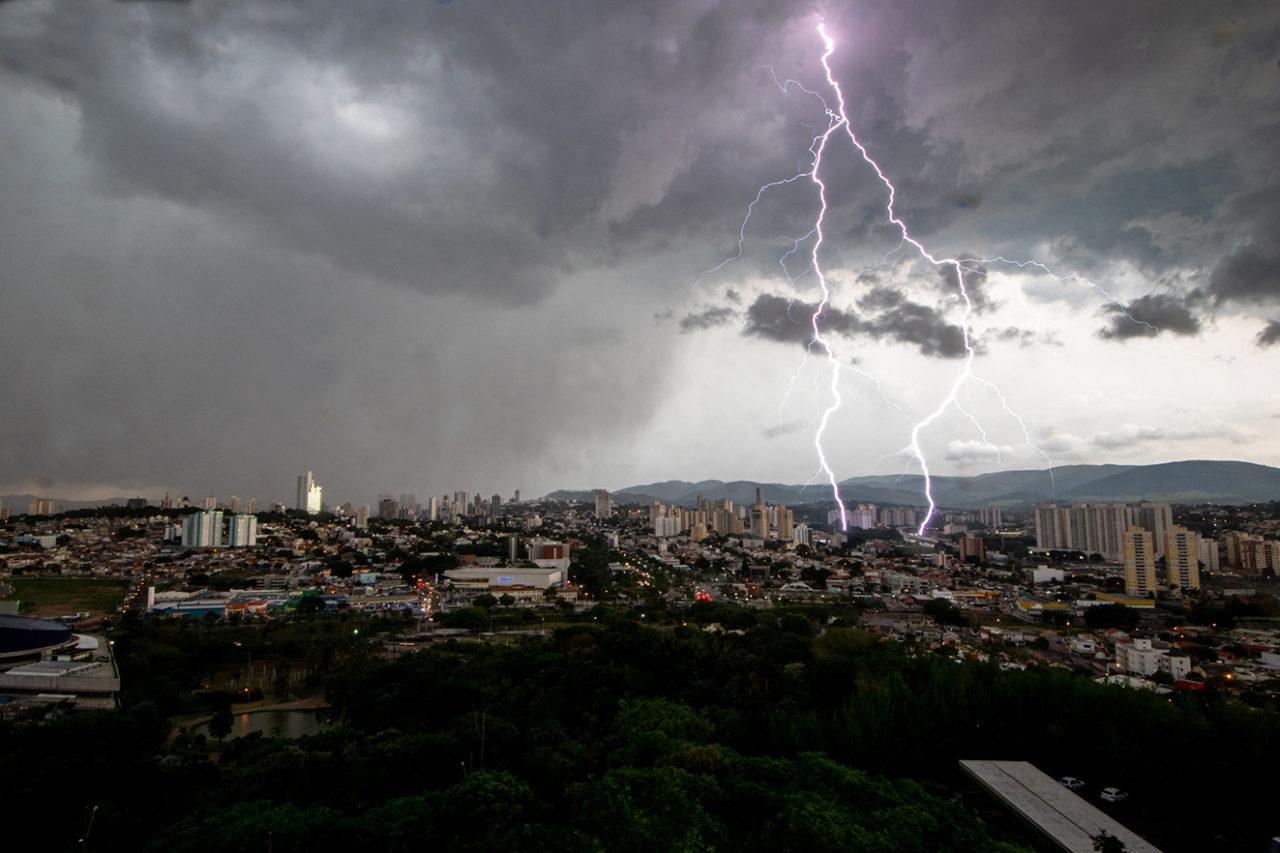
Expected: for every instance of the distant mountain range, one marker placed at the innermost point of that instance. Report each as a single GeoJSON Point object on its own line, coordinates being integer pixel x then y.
{"type": "Point", "coordinates": [18, 504]}
{"type": "Point", "coordinates": [1196, 481]}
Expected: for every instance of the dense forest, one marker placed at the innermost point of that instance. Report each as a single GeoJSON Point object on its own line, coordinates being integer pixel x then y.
{"type": "Point", "coordinates": [617, 736]}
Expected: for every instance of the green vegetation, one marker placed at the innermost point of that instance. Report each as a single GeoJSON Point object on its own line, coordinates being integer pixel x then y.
{"type": "Point", "coordinates": [617, 736]}
{"type": "Point", "coordinates": [63, 596]}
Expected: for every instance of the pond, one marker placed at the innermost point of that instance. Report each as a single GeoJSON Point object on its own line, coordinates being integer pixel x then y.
{"type": "Point", "coordinates": [288, 724]}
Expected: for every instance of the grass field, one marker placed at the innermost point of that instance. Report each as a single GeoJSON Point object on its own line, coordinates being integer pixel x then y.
{"type": "Point", "coordinates": [64, 596]}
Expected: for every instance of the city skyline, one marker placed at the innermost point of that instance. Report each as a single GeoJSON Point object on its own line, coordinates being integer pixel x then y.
{"type": "Point", "coordinates": [434, 286]}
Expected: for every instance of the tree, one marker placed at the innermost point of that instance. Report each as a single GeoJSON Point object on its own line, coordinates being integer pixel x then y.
{"type": "Point", "coordinates": [220, 723]}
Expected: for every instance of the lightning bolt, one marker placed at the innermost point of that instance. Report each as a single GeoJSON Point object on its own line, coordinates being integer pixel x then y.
{"type": "Point", "coordinates": [838, 123]}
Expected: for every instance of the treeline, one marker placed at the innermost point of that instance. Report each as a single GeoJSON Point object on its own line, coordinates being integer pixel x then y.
{"type": "Point", "coordinates": [624, 737]}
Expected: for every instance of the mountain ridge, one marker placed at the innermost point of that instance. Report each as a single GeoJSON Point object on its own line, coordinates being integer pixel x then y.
{"type": "Point", "coordinates": [1185, 481]}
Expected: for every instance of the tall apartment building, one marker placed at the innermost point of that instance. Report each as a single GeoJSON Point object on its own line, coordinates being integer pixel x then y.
{"type": "Point", "coordinates": [203, 529]}
{"type": "Point", "coordinates": [785, 526]}
{"type": "Point", "coordinates": [604, 503]}
{"type": "Point", "coordinates": [242, 531]}
{"type": "Point", "coordinates": [1209, 556]}
{"type": "Point", "coordinates": [1139, 562]}
{"type": "Point", "coordinates": [1182, 558]}
{"type": "Point", "coordinates": [1155, 518]}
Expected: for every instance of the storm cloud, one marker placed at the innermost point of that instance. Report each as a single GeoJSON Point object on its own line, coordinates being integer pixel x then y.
{"type": "Point", "coordinates": [1150, 315]}
{"type": "Point", "coordinates": [402, 243]}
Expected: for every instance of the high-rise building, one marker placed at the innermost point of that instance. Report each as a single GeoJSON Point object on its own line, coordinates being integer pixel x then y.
{"type": "Point", "coordinates": [1156, 518]}
{"type": "Point", "coordinates": [604, 503]}
{"type": "Point", "coordinates": [362, 517]}
{"type": "Point", "coordinates": [972, 548]}
{"type": "Point", "coordinates": [1139, 562]}
{"type": "Point", "coordinates": [41, 506]}
{"type": "Point", "coordinates": [1182, 558]}
{"type": "Point", "coordinates": [1209, 557]}
{"type": "Point", "coordinates": [202, 529]}
{"type": "Point", "coordinates": [243, 530]}
{"type": "Point", "coordinates": [310, 495]}
{"type": "Point", "coordinates": [1052, 527]}
{"type": "Point", "coordinates": [785, 524]}
{"type": "Point", "coordinates": [759, 521]}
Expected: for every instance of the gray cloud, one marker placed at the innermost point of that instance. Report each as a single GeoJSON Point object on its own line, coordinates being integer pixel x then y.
{"type": "Point", "coordinates": [1269, 336]}
{"type": "Point", "coordinates": [359, 217]}
{"type": "Point", "coordinates": [708, 318]}
{"type": "Point", "coordinates": [1147, 316]}
{"type": "Point", "coordinates": [789, 321]}
{"type": "Point", "coordinates": [783, 429]}
{"type": "Point", "coordinates": [908, 322]}
{"type": "Point", "coordinates": [886, 316]}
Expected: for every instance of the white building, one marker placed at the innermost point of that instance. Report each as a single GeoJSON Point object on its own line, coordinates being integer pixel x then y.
{"type": "Point", "coordinates": [309, 497]}
{"type": "Point", "coordinates": [1138, 656]}
{"type": "Point", "coordinates": [243, 531]}
{"type": "Point", "coordinates": [202, 529]}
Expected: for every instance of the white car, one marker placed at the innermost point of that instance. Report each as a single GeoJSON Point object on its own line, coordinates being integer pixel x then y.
{"type": "Point", "coordinates": [1071, 783]}
{"type": "Point", "coordinates": [1113, 795]}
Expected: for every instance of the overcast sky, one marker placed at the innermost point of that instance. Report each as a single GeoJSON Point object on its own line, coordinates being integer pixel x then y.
{"type": "Point", "coordinates": [419, 247]}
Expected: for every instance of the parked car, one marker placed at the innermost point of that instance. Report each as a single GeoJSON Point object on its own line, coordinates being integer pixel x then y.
{"type": "Point", "coordinates": [1071, 783]}
{"type": "Point", "coordinates": [1113, 795]}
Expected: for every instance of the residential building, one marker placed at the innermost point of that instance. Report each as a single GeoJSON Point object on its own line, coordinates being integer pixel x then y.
{"type": "Point", "coordinates": [1139, 562]}
{"type": "Point", "coordinates": [1182, 558]}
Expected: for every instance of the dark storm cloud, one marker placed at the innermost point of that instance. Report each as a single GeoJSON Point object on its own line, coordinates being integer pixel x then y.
{"type": "Point", "coordinates": [1269, 336]}
{"type": "Point", "coordinates": [899, 319]}
{"type": "Point", "coordinates": [235, 183]}
{"type": "Point", "coordinates": [1150, 315]}
{"type": "Point", "coordinates": [789, 321]}
{"type": "Point", "coordinates": [1250, 273]}
{"type": "Point", "coordinates": [886, 315]}
{"type": "Point", "coordinates": [708, 318]}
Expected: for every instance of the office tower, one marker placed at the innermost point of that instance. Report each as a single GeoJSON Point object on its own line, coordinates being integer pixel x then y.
{"type": "Point", "coordinates": [243, 531]}
{"type": "Point", "coordinates": [1182, 558]}
{"type": "Point", "coordinates": [1209, 555]}
{"type": "Point", "coordinates": [972, 549]}
{"type": "Point", "coordinates": [785, 524]}
{"type": "Point", "coordinates": [305, 483]}
{"type": "Point", "coordinates": [362, 517]}
{"type": "Point", "coordinates": [202, 529]}
{"type": "Point", "coordinates": [1139, 562]}
{"type": "Point", "coordinates": [604, 503]}
{"type": "Point", "coordinates": [310, 495]}
{"type": "Point", "coordinates": [1156, 518]}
